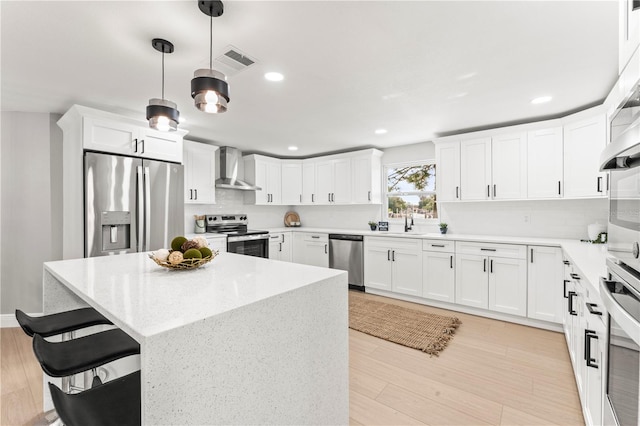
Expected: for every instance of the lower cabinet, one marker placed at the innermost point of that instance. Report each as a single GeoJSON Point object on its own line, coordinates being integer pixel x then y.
{"type": "Point", "coordinates": [438, 270]}
{"type": "Point", "coordinates": [497, 281]}
{"type": "Point", "coordinates": [545, 277]}
{"type": "Point", "coordinates": [310, 248]}
{"type": "Point", "coordinates": [393, 264]}
{"type": "Point", "coordinates": [280, 246]}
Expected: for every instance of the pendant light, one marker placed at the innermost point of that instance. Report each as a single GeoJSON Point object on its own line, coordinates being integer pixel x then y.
{"type": "Point", "coordinates": [162, 114]}
{"type": "Point", "coordinates": [209, 88]}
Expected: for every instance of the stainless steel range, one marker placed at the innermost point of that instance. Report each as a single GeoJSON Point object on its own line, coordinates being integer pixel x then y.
{"type": "Point", "coordinates": [240, 239]}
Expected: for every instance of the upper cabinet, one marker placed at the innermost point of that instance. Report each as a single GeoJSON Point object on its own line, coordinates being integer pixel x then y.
{"type": "Point", "coordinates": [266, 173]}
{"type": "Point", "coordinates": [199, 173]}
{"type": "Point", "coordinates": [291, 171]}
{"type": "Point", "coordinates": [628, 32]}
{"type": "Point", "coordinates": [309, 181]}
{"type": "Point", "coordinates": [101, 132]}
{"type": "Point", "coordinates": [333, 181]}
{"type": "Point", "coordinates": [525, 161]}
{"type": "Point", "coordinates": [366, 170]}
{"type": "Point", "coordinates": [583, 142]}
{"type": "Point", "coordinates": [448, 171]}
{"type": "Point", "coordinates": [544, 163]}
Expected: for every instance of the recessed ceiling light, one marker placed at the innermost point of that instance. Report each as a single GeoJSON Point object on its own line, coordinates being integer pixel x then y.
{"type": "Point", "coordinates": [292, 148]}
{"type": "Point", "coordinates": [541, 100]}
{"type": "Point", "coordinates": [274, 76]}
{"type": "Point", "coordinates": [381, 131]}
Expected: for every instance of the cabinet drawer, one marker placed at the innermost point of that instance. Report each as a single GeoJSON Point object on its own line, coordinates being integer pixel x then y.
{"type": "Point", "coordinates": [492, 249]}
{"type": "Point", "coordinates": [312, 236]}
{"type": "Point", "coordinates": [438, 245]}
{"type": "Point", "coordinates": [397, 243]}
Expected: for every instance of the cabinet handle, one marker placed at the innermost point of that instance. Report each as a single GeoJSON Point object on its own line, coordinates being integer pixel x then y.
{"type": "Point", "coordinates": [191, 194]}
{"type": "Point", "coordinates": [389, 255]}
{"type": "Point", "coordinates": [313, 198]}
{"type": "Point", "coordinates": [570, 304]}
{"type": "Point", "coordinates": [282, 238]}
{"type": "Point", "coordinates": [494, 190]}
{"type": "Point", "coordinates": [564, 289]}
{"type": "Point", "coordinates": [588, 335]}
{"type": "Point", "coordinates": [329, 197]}
{"type": "Point", "coordinates": [575, 276]}
{"type": "Point", "coordinates": [486, 249]}
{"type": "Point", "coordinates": [558, 187]}
{"type": "Point", "coordinates": [457, 193]}
{"type": "Point", "coordinates": [333, 197]}
{"type": "Point", "coordinates": [592, 311]}
{"type": "Point", "coordinates": [195, 191]}
{"type": "Point", "coordinates": [315, 236]}
{"type": "Point", "coordinates": [491, 266]}
{"type": "Point", "coordinates": [369, 195]}
{"type": "Point", "coordinates": [599, 181]}
{"type": "Point", "coordinates": [325, 249]}
{"type": "Point", "coordinates": [488, 189]}
{"type": "Point", "coordinates": [451, 261]}
{"type": "Point", "coordinates": [531, 255]}
{"type": "Point", "coordinates": [142, 140]}
{"type": "Point", "coordinates": [135, 145]}
{"type": "Point", "coordinates": [301, 198]}
{"type": "Point", "coordinates": [393, 255]}
{"type": "Point", "coordinates": [607, 181]}
{"type": "Point", "coordinates": [566, 262]}
{"type": "Point", "coordinates": [280, 246]}
{"type": "Point", "coordinates": [484, 268]}
{"type": "Point", "coordinates": [437, 245]}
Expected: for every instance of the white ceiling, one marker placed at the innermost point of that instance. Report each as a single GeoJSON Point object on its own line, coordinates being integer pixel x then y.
{"type": "Point", "coordinates": [418, 69]}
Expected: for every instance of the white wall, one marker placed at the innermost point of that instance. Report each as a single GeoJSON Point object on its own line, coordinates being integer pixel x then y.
{"type": "Point", "coordinates": [31, 190]}
{"type": "Point", "coordinates": [415, 152]}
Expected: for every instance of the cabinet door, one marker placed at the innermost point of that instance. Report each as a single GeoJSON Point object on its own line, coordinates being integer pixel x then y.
{"type": "Point", "coordinates": [261, 180]}
{"type": "Point", "coordinates": [583, 142]}
{"type": "Point", "coordinates": [200, 175]}
{"type": "Point", "coordinates": [595, 349]}
{"type": "Point", "coordinates": [324, 182]}
{"type": "Point", "coordinates": [508, 285]}
{"type": "Point", "coordinates": [448, 171]}
{"type": "Point", "coordinates": [366, 171]}
{"type": "Point", "coordinates": [377, 267]}
{"type": "Point", "coordinates": [544, 163]}
{"type": "Point", "coordinates": [291, 183]}
{"type": "Point", "coordinates": [275, 252]}
{"type": "Point", "coordinates": [438, 277]}
{"type": "Point", "coordinates": [316, 253]}
{"type": "Point", "coordinates": [545, 298]}
{"type": "Point", "coordinates": [509, 167]}
{"type": "Point", "coordinates": [342, 185]}
{"type": "Point", "coordinates": [274, 182]}
{"type": "Point", "coordinates": [110, 136]}
{"type": "Point", "coordinates": [475, 169]}
{"type": "Point", "coordinates": [472, 287]}
{"type": "Point", "coordinates": [285, 247]}
{"type": "Point", "coordinates": [166, 146]}
{"type": "Point", "coordinates": [406, 271]}
{"type": "Point", "coordinates": [309, 195]}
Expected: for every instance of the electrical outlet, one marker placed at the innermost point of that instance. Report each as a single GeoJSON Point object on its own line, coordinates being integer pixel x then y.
{"type": "Point", "coordinates": [527, 219]}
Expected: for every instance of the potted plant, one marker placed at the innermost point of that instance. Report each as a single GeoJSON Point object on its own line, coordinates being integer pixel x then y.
{"type": "Point", "coordinates": [373, 225]}
{"type": "Point", "coordinates": [443, 227]}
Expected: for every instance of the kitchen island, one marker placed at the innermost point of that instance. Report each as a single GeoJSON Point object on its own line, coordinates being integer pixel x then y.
{"type": "Point", "coordinates": [241, 340]}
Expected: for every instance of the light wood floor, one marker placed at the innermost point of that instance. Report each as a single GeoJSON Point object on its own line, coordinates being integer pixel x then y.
{"type": "Point", "coordinates": [492, 372]}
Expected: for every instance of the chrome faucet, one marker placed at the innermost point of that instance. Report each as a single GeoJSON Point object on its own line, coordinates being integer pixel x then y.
{"type": "Point", "coordinates": [407, 227]}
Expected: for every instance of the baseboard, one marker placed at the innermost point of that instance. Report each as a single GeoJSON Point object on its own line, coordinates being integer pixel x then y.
{"type": "Point", "coordinates": [9, 320]}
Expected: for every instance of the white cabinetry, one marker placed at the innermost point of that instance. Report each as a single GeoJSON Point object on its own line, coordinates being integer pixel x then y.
{"type": "Point", "coordinates": [544, 163]}
{"type": "Point", "coordinates": [492, 276]}
{"type": "Point", "coordinates": [333, 181]}
{"type": "Point", "coordinates": [509, 166]}
{"type": "Point", "coordinates": [199, 173]}
{"type": "Point", "coordinates": [280, 246]}
{"type": "Point", "coordinates": [448, 171]}
{"type": "Point", "coordinates": [438, 271]}
{"type": "Point", "coordinates": [545, 286]}
{"type": "Point", "coordinates": [218, 243]}
{"type": "Point", "coordinates": [393, 264]}
{"type": "Point", "coordinates": [366, 170]}
{"type": "Point", "coordinates": [265, 173]}
{"type": "Point", "coordinates": [291, 182]}
{"type": "Point", "coordinates": [583, 142]}
{"type": "Point", "coordinates": [628, 32]}
{"type": "Point", "coordinates": [128, 137]}
{"type": "Point", "coordinates": [311, 248]}
{"type": "Point", "coordinates": [309, 182]}
{"type": "Point", "coordinates": [475, 169]}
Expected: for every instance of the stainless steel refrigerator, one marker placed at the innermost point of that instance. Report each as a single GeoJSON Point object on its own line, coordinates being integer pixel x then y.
{"type": "Point", "coordinates": [131, 204]}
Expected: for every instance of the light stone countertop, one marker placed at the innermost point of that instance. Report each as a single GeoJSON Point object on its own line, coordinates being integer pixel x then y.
{"type": "Point", "coordinates": [147, 299]}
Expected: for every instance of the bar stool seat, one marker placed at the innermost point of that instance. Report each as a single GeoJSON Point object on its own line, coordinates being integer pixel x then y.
{"type": "Point", "coordinates": [63, 322]}
{"type": "Point", "coordinates": [113, 403]}
{"type": "Point", "coordinates": [59, 359]}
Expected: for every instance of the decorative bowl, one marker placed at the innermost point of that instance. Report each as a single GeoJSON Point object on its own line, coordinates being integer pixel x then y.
{"type": "Point", "coordinates": [186, 263]}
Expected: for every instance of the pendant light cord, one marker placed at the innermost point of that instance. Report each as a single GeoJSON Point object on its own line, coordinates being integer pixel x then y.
{"type": "Point", "coordinates": [163, 74]}
{"type": "Point", "coordinates": [211, 41]}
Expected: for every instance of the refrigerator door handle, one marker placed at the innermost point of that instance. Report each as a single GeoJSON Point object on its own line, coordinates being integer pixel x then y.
{"type": "Point", "coordinates": [140, 207]}
{"type": "Point", "coordinates": [147, 208]}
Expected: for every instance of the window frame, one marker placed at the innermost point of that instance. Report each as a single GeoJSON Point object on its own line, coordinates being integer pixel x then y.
{"type": "Point", "coordinates": [386, 194]}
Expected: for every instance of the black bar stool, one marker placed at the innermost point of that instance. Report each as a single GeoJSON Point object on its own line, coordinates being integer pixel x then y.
{"type": "Point", "coordinates": [61, 359]}
{"type": "Point", "coordinates": [113, 403]}
{"type": "Point", "coordinates": [60, 323]}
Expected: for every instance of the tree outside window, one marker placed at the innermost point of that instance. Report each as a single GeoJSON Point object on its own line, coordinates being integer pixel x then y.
{"type": "Point", "coordinates": [411, 191]}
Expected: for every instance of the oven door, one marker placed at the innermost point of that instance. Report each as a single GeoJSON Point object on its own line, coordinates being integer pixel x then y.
{"type": "Point", "coordinates": [622, 301]}
{"type": "Point", "coordinates": [624, 216]}
{"type": "Point", "coordinates": [250, 245]}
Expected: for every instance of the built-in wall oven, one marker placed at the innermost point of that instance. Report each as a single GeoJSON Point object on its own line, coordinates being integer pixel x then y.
{"type": "Point", "coordinates": [240, 239]}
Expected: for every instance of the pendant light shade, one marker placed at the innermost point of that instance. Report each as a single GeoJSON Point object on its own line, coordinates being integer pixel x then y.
{"type": "Point", "coordinates": [209, 88]}
{"type": "Point", "coordinates": [162, 114]}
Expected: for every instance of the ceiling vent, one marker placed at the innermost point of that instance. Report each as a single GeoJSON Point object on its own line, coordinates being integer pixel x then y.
{"type": "Point", "coordinates": [233, 61]}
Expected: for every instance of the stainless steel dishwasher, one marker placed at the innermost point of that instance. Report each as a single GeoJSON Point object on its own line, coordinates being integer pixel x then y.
{"type": "Point", "coordinates": [346, 252]}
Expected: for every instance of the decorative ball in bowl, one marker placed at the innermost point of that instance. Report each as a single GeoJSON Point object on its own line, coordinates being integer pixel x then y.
{"type": "Point", "coordinates": [184, 254]}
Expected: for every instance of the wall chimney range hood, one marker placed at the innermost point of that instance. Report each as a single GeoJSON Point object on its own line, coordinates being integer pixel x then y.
{"type": "Point", "coordinates": [229, 158]}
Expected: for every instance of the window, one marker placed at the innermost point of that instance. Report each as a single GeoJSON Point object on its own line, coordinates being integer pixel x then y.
{"type": "Point", "coordinates": [411, 192]}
